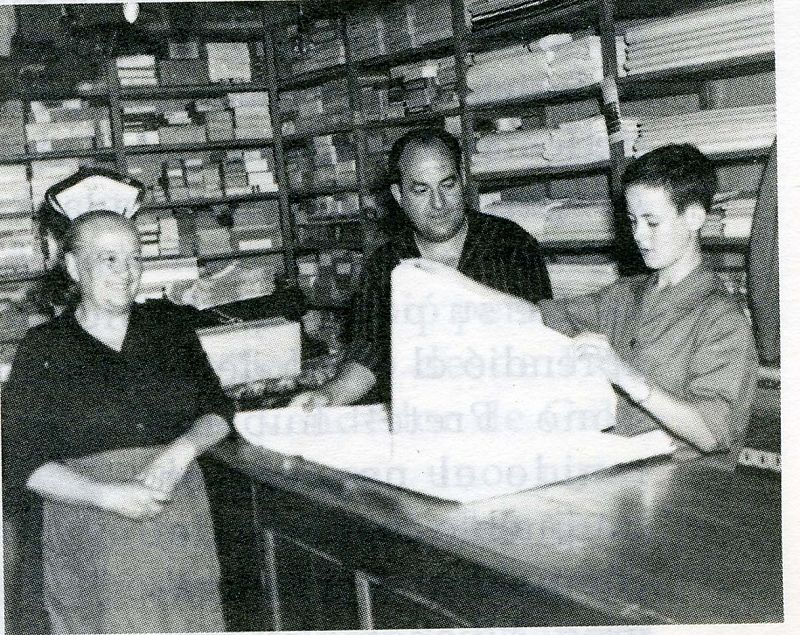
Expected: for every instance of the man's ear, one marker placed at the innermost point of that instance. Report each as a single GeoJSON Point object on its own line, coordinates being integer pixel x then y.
{"type": "Point", "coordinates": [397, 193]}
{"type": "Point", "coordinates": [72, 266]}
{"type": "Point", "coordinates": [695, 216]}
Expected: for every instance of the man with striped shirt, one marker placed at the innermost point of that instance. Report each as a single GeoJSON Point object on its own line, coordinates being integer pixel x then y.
{"type": "Point", "coordinates": [427, 183]}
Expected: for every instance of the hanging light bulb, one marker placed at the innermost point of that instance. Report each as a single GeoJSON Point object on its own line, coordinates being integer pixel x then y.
{"type": "Point", "coordinates": [131, 11]}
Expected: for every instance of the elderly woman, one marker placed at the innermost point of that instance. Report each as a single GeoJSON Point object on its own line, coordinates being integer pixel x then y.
{"type": "Point", "coordinates": [106, 408]}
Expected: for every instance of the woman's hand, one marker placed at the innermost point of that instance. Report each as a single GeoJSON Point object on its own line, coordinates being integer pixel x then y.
{"type": "Point", "coordinates": [168, 468]}
{"type": "Point", "coordinates": [596, 351]}
{"type": "Point", "coordinates": [132, 500]}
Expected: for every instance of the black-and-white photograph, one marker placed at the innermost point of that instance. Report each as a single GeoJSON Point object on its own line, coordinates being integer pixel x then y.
{"type": "Point", "coordinates": [408, 314]}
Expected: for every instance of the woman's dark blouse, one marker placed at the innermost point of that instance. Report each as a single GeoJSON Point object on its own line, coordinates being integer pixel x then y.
{"type": "Point", "coordinates": [70, 395]}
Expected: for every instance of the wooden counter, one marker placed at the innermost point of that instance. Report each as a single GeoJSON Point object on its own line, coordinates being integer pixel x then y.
{"type": "Point", "coordinates": [654, 542]}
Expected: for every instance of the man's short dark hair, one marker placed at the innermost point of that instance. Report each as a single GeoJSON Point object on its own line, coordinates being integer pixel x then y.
{"type": "Point", "coordinates": [685, 173]}
{"type": "Point", "coordinates": [427, 137]}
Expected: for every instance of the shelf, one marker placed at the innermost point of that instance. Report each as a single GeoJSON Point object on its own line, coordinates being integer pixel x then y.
{"type": "Point", "coordinates": [240, 144]}
{"type": "Point", "coordinates": [724, 244]}
{"type": "Point", "coordinates": [745, 65]}
{"type": "Point", "coordinates": [253, 253]}
{"type": "Point", "coordinates": [528, 25]}
{"type": "Point", "coordinates": [439, 48]}
{"type": "Point", "coordinates": [312, 78]}
{"type": "Point", "coordinates": [323, 191]}
{"type": "Point", "coordinates": [47, 156]}
{"type": "Point", "coordinates": [559, 97]}
{"type": "Point", "coordinates": [329, 246]}
{"type": "Point", "coordinates": [345, 220]}
{"type": "Point", "coordinates": [415, 118]}
{"type": "Point", "coordinates": [298, 138]}
{"type": "Point", "coordinates": [219, 200]}
{"type": "Point", "coordinates": [189, 91]}
{"type": "Point", "coordinates": [498, 178]}
{"type": "Point", "coordinates": [27, 276]}
{"type": "Point", "coordinates": [37, 94]}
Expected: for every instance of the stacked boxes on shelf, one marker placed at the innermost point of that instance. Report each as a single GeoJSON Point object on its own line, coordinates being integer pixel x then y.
{"type": "Point", "coordinates": [71, 125]}
{"type": "Point", "coordinates": [251, 118]}
{"type": "Point", "coordinates": [731, 216]}
{"type": "Point", "coordinates": [326, 161]}
{"type": "Point", "coordinates": [137, 70]}
{"type": "Point", "coordinates": [183, 66]}
{"type": "Point", "coordinates": [314, 48]}
{"type": "Point", "coordinates": [325, 219]}
{"type": "Point", "coordinates": [162, 234]}
{"type": "Point", "coordinates": [329, 277]}
{"type": "Point", "coordinates": [229, 62]}
{"type": "Point", "coordinates": [15, 190]}
{"type": "Point", "coordinates": [12, 128]}
{"type": "Point", "coordinates": [19, 247]}
{"type": "Point", "coordinates": [256, 226]}
{"type": "Point", "coordinates": [248, 172]}
{"type": "Point", "coordinates": [315, 108]}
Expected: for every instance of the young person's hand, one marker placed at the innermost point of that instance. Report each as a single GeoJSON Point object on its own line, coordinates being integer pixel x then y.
{"type": "Point", "coordinates": [596, 351]}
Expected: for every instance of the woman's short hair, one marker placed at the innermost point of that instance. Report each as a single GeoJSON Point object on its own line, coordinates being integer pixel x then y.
{"type": "Point", "coordinates": [58, 288]}
{"type": "Point", "coordinates": [685, 173]}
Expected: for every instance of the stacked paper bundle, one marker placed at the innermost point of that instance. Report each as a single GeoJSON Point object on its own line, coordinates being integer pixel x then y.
{"type": "Point", "coordinates": [66, 126]}
{"type": "Point", "coordinates": [229, 62]}
{"type": "Point", "coordinates": [251, 116]}
{"type": "Point", "coordinates": [218, 117]}
{"type": "Point", "coordinates": [12, 128]}
{"type": "Point", "coordinates": [137, 70]}
{"type": "Point", "coordinates": [712, 131]}
{"type": "Point", "coordinates": [159, 234]}
{"type": "Point", "coordinates": [715, 34]}
{"type": "Point", "coordinates": [334, 161]}
{"type": "Point", "coordinates": [731, 216]}
{"type": "Point", "coordinates": [15, 190]}
{"type": "Point", "coordinates": [256, 226]}
{"type": "Point", "coordinates": [318, 46]}
{"type": "Point", "coordinates": [572, 143]}
{"type": "Point", "coordinates": [159, 276]}
{"type": "Point", "coordinates": [47, 173]}
{"type": "Point", "coordinates": [183, 66]}
{"type": "Point", "coordinates": [315, 108]}
{"type": "Point", "coordinates": [551, 220]}
{"type": "Point", "coordinates": [327, 208]}
{"type": "Point", "coordinates": [329, 276]}
{"type": "Point", "coordinates": [554, 63]}
{"type": "Point", "coordinates": [481, 13]}
{"type": "Point", "coordinates": [573, 279]}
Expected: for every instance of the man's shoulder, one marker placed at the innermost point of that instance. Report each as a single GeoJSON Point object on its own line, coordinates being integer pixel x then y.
{"type": "Point", "coordinates": [507, 229]}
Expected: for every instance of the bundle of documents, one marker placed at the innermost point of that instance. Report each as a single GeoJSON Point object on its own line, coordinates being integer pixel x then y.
{"type": "Point", "coordinates": [68, 125]}
{"type": "Point", "coordinates": [158, 276]}
{"type": "Point", "coordinates": [554, 63]}
{"type": "Point", "coordinates": [315, 108]}
{"type": "Point", "coordinates": [571, 143]}
{"type": "Point", "coordinates": [712, 35]}
{"type": "Point", "coordinates": [731, 216]}
{"type": "Point", "coordinates": [551, 220]}
{"type": "Point", "coordinates": [256, 226]}
{"type": "Point", "coordinates": [229, 62]}
{"type": "Point", "coordinates": [712, 131]}
{"type": "Point", "coordinates": [227, 281]}
{"type": "Point", "coordinates": [12, 128]}
{"type": "Point", "coordinates": [137, 70]}
{"type": "Point", "coordinates": [486, 401]}
{"type": "Point", "coordinates": [251, 118]}
{"type": "Point", "coordinates": [15, 190]}
{"type": "Point", "coordinates": [573, 279]}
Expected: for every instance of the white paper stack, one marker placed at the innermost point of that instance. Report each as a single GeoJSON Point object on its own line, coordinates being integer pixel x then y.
{"type": "Point", "coordinates": [716, 34]}
{"type": "Point", "coordinates": [158, 276]}
{"type": "Point", "coordinates": [712, 131]}
{"type": "Point", "coordinates": [229, 62]}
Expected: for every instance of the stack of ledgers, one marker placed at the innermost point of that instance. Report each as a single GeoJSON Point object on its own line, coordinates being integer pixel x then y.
{"type": "Point", "coordinates": [315, 108]}
{"type": "Point", "coordinates": [554, 220]}
{"type": "Point", "coordinates": [573, 279]}
{"type": "Point", "coordinates": [572, 143]}
{"type": "Point", "coordinates": [137, 70]}
{"type": "Point", "coordinates": [554, 63]}
{"type": "Point", "coordinates": [397, 26]}
{"type": "Point", "coordinates": [71, 125]}
{"type": "Point", "coordinates": [410, 88]}
{"type": "Point", "coordinates": [731, 216]}
{"type": "Point", "coordinates": [719, 131]}
{"type": "Point", "coordinates": [482, 13]}
{"type": "Point", "coordinates": [712, 35]}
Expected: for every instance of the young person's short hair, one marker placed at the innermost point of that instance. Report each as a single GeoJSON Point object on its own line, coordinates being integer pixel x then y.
{"type": "Point", "coordinates": [423, 136]}
{"type": "Point", "coordinates": [685, 173]}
